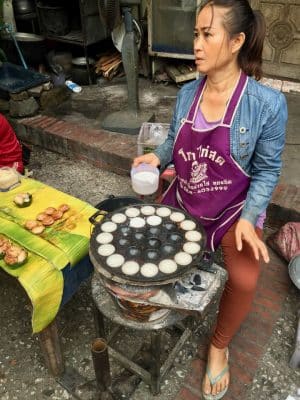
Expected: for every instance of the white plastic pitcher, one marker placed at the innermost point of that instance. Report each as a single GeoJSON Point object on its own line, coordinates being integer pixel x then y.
{"type": "Point", "coordinates": [144, 179]}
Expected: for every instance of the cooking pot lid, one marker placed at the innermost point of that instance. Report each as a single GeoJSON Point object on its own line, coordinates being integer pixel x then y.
{"type": "Point", "coordinates": [81, 61]}
{"type": "Point", "coordinates": [147, 244]}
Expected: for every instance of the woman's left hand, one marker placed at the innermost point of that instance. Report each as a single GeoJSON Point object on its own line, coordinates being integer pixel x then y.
{"type": "Point", "coordinates": [244, 231]}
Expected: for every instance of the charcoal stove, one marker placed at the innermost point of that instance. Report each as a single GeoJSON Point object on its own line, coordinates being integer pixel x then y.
{"type": "Point", "coordinates": [155, 279]}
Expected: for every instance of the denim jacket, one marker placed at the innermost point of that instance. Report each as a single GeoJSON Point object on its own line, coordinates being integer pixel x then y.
{"type": "Point", "coordinates": [257, 138]}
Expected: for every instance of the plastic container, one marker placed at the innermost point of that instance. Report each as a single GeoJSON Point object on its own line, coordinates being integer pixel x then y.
{"type": "Point", "coordinates": [144, 179]}
{"type": "Point", "coordinates": [151, 135]}
{"type": "Point", "coordinates": [73, 86]}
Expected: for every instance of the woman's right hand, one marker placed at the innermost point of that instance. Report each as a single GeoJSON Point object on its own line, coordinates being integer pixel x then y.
{"type": "Point", "coordinates": [149, 158]}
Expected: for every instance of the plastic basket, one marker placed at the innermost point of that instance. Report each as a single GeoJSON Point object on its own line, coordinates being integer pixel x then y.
{"type": "Point", "coordinates": [151, 135]}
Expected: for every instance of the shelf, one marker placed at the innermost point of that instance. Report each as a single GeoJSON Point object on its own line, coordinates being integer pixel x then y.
{"type": "Point", "coordinates": [75, 37]}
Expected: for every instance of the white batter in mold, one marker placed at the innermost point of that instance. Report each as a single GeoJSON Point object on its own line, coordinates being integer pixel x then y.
{"type": "Point", "coordinates": [137, 222]}
{"type": "Point", "coordinates": [148, 210]}
{"type": "Point", "coordinates": [106, 250]}
{"type": "Point", "coordinates": [132, 212]}
{"type": "Point", "coordinates": [163, 211]}
{"type": "Point", "coordinates": [167, 266]}
{"type": "Point", "coordinates": [183, 258]}
{"type": "Point", "coordinates": [119, 218]}
{"type": "Point", "coordinates": [115, 260]}
{"type": "Point", "coordinates": [130, 268]}
{"type": "Point", "coordinates": [154, 220]}
{"type": "Point", "coordinates": [191, 247]}
{"type": "Point", "coordinates": [104, 238]}
{"type": "Point", "coordinates": [177, 217]}
{"type": "Point", "coordinates": [149, 270]}
{"type": "Point", "coordinates": [193, 236]}
{"type": "Point", "coordinates": [109, 227]}
{"type": "Point", "coordinates": [188, 225]}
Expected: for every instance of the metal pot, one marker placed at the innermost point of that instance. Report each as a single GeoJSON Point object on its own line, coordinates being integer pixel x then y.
{"type": "Point", "coordinates": [79, 70]}
{"type": "Point", "coordinates": [23, 7]}
{"type": "Point", "coordinates": [33, 48]}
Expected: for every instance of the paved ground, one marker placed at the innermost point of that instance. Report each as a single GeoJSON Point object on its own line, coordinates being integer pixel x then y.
{"type": "Point", "coordinates": [259, 354]}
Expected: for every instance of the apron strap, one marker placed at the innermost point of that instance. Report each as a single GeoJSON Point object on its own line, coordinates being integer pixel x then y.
{"type": "Point", "coordinates": [235, 99]}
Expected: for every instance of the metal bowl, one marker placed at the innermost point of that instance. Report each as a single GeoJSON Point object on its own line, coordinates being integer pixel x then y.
{"type": "Point", "coordinates": [81, 61]}
{"type": "Point", "coordinates": [25, 37]}
{"type": "Point", "coordinates": [33, 48]}
{"type": "Point", "coordinates": [294, 271]}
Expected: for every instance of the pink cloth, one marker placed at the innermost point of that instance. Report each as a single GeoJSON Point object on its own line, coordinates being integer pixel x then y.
{"type": "Point", "coordinates": [10, 148]}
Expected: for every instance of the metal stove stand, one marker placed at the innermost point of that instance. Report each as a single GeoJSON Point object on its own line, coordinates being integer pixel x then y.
{"type": "Point", "coordinates": [105, 307]}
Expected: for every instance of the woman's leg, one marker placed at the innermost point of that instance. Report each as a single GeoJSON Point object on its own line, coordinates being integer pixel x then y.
{"type": "Point", "coordinates": [243, 271]}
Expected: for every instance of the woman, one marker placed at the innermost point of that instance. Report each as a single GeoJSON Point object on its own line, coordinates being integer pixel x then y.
{"type": "Point", "coordinates": [10, 148]}
{"type": "Point", "coordinates": [226, 140]}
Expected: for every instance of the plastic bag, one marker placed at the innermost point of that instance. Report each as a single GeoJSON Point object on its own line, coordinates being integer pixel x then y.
{"type": "Point", "coordinates": [286, 242]}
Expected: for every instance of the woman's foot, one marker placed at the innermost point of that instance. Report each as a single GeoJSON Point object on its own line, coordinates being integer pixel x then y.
{"type": "Point", "coordinates": [217, 365]}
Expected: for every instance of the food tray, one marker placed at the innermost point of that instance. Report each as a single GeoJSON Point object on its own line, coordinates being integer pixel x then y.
{"type": "Point", "coordinates": [15, 79]}
{"type": "Point", "coordinates": [147, 244]}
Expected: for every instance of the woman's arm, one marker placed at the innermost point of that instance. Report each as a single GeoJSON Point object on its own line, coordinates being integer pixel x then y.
{"type": "Point", "coordinates": [266, 166]}
{"type": "Point", "coordinates": [266, 161]}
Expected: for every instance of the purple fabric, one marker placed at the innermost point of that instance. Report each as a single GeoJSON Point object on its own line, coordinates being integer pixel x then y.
{"type": "Point", "coordinates": [202, 123]}
{"type": "Point", "coordinates": [209, 184]}
{"type": "Point", "coordinates": [261, 220]}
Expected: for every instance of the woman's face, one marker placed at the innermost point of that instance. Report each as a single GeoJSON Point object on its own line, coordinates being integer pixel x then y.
{"type": "Point", "coordinates": [212, 46]}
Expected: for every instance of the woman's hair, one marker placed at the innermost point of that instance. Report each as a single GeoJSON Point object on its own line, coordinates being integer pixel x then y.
{"type": "Point", "coordinates": [241, 18]}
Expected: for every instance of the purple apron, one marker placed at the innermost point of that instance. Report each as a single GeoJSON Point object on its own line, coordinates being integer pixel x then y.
{"type": "Point", "coordinates": [209, 183]}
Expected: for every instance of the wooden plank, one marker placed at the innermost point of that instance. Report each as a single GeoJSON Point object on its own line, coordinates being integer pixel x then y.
{"type": "Point", "coordinates": [177, 76]}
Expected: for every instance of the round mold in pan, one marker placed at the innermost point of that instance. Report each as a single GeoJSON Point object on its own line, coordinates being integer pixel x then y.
{"type": "Point", "coordinates": [148, 244]}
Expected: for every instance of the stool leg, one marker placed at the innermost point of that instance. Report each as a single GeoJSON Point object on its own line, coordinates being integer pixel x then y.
{"type": "Point", "coordinates": [99, 322]}
{"type": "Point", "coordinates": [50, 344]}
{"type": "Point", "coordinates": [155, 367]}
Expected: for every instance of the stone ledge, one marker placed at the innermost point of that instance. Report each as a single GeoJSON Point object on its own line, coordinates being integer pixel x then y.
{"type": "Point", "coordinates": [110, 151]}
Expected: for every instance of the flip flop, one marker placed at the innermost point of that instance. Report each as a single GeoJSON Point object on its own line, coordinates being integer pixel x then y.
{"type": "Point", "coordinates": [214, 380]}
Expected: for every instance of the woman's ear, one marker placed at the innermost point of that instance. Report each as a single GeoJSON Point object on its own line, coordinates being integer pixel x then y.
{"type": "Point", "coordinates": [237, 42]}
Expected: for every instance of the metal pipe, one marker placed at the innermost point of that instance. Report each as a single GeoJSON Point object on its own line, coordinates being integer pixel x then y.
{"type": "Point", "coordinates": [8, 29]}
{"type": "Point", "coordinates": [100, 358]}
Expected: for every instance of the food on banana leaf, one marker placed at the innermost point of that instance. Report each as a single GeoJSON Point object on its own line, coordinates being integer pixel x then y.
{"type": "Point", "coordinates": [57, 215]}
{"type": "Point", "coordinates": [15, 256]}
{"type": "Point", "coordinates": [31, 223]}
{"type": "Point", "coordinates": [34, 226]}
{"type": "Point", "coordinates": [50, 210]}
{"type": "Point", "coordinates": [22, 200]}
{"type": "Point", "coordinates": [41, 216]}
{"type": "Point", "coordinates": [3, 240]}
{"type": "Point", "coordinates": [47, 220]}
{"type": "Point", "coordinates": [3, 249]}
{"type": "Point", "coordinates": [63, 208]}
{"type": "Point", "coordinates": [37, 230]}
{"type": "Point", "coordinates": [4, 245]}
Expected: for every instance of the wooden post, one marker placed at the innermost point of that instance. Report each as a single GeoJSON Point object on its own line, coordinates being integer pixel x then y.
{"type": "Point", "coordinates": [51, 348]}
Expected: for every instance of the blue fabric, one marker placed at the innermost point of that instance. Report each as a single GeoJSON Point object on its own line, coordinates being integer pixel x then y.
{"type": "Point", "coordinates": [257, 138]}
{"type": "Point", "coordinates": [74, 276]}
